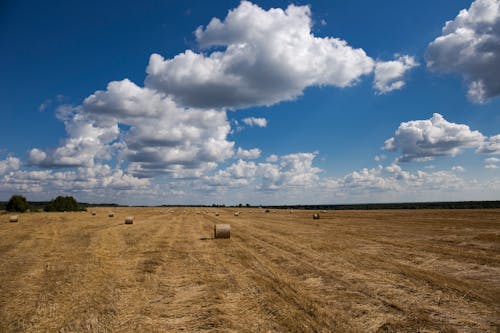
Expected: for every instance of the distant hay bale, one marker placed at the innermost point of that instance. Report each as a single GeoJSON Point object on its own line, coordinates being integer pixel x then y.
{"type": "Point", "coordinates": [316, 216]}
{"type": "Point", "coordinates": [267, 211]}
{"type": "Point", "coordinates": [323, 211]}
{"type": "Point", "coordinates": [237, 214]}
{"type": "Point", "coordinates": [222, 231]}
{"type": "Point", "coordinates": [93, 213]}
{"type": "Point", "coordinates": [216, 214]}
{"type": "Point", "coordinates": [111, 214]}
{"type": "Point", "coordinates": [14, 218]}
{"type": "Point", "coordinates": [129, 220]}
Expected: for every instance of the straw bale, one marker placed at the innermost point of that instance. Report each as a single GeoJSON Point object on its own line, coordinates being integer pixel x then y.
{"type": "Point", "coordinates": [222, 231]}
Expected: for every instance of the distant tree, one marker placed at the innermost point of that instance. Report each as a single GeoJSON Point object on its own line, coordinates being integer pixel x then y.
{"type": "Point", "coordinates": [61, 204]}
{"type": "Point", "coordinates": [17, 203]}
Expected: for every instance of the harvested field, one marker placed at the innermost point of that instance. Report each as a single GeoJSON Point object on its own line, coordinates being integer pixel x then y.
{"type": "Point", "coordinates": [350, 271]}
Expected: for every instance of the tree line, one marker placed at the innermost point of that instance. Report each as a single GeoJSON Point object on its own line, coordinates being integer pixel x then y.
{"type": "Point", "coordinates": [18, 203]}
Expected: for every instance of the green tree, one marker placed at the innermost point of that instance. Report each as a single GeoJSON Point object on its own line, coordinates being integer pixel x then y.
{"type": "Point", "coordinates": [17, 203]}
{"type": "Point", "coordinates": [62, 204]}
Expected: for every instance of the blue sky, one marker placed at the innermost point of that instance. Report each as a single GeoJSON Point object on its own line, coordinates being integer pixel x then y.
{"type": "Point", "coordinates": [262, 102]}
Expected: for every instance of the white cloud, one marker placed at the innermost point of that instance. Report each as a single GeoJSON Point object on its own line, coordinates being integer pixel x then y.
{"type": "Point", "coordinates": [44, 105]}
{"type": "Point", "coordinates": [96, 177]}
{"type": "Point", "coordinates": [238, 174]}
{"type": "Point", "coordinates": [490, 146]}
{"type": "Point", "coordinates": [284, 171]}
{"type": "Point", "coordinates": [248, 154]}
{"type": "Point", "coordinates": [272, 158]}
{"type": "Point", "coordinates": [422, 140]}
{"type": "Point", "coordinates": [253, 121]}
{"type": "Point", "coordinates": [389, 74]}
{"type": "Point", "coordinates": [36, 156]}
{"type": "Point", "coordinates": [458, 168]}
{"type": "Point", "coordinates": [145, 128]}
{"type": "Point", "coordinates": [87, 140]}
{"type": "Point", "coordinates": [393, 179]}
{"type": "Point", "coordinates": [379, 158]}
{"type": "Point", "coordinates": [10, 163]}
{"type": "Point", "coordinates": [369, 180]}
{"type": "Point", "coordinates": [470, 45]}
{"type": "Point", "coordinates": [297, 169]}
{"type": "Point", "coordinates": [263, 57]}
{"type": "Point", "coordinates": [492, 160]}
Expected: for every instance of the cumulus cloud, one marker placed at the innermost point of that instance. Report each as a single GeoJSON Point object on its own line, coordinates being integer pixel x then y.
{"type": "Point", "coordinates": [272, 158]}
{"type": "Point", "coordinates": [422, 140]}
{"type": "Point", "coordinates": [248, 154]}
{"type": "Point", "coordinates": [458, 168]}
{"type": "Point", "coordinates": [368, 180]}
{"type": "Point", "coordinates": [10, 163]}
{"type": "Point", "coordinates": [253, 121]}
{"type": "Point", "coordinates": [96, 177]}
{"type": "Point", "coordinates": [490, 145]}
{"type": "Point", "coordinates": [280, 172]}
{"type": "Point", "coordinates": [492, 160]}
{"type": "Point", "coordinates": [86, 140]}
{"type": "Point", "coordinates": [389, 75]}
{"type": "Point", "coordinates": [163, 135]}
{"type": "Point", "coordinates": [262, 57]}
{"type": "Point", "coordinates": [240, 173]}
{"type": "Point", "coordinates": [148, 130]}
{"type": "Point", "coordinates": [394, 179]}
{"type": "Point", "coordinates": [470, 45]}
{"type": "Point", "coordinates": [491, 163]}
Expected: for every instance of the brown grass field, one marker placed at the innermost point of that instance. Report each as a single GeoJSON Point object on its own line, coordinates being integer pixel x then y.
{"type": "Point", "coordinates": [350, 271]}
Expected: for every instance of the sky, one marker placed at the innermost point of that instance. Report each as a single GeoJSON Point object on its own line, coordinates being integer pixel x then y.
{"type": "Point", "coordinates": [265, 102]}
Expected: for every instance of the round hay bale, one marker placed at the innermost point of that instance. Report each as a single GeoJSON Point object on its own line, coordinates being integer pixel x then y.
{"type": "Point", "coordinates": [93, 213]}
{"type": "Point", "coordinates": [216, 214]}
{"type": "Point", "coordinates": [222, 231]}
{"type": "Point", "coordinates": [237, 214]}
{"type": "Point", "coordinates": [14, 218]}
{"type": "Point", "coordinates": [111, 214]}
{"type": "Point", "coordinates": [129, 220]}
{"type": "Point", "coordinates": [267, 211]}
{"type": "Point", "coordinates": [316, 216]}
